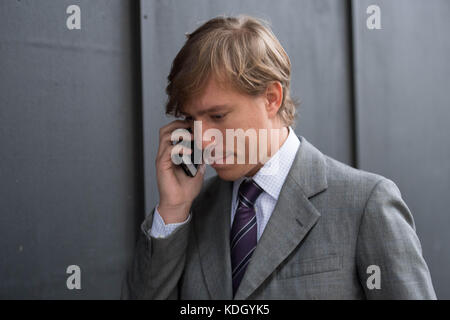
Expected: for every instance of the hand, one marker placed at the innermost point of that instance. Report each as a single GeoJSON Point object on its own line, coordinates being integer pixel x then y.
{"type": "Point", "coordinates": [177, 191]}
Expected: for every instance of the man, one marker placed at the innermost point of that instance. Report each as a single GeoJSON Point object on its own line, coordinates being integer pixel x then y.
{"type": "Point", "coordinates": [296, 224]}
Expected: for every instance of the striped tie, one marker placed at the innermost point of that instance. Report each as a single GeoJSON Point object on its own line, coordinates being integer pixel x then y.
{"type": "Point", "coordinates": [244, 230]}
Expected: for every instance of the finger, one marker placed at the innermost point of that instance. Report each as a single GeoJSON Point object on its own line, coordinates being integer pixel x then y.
{"type": "Point", "coordinates": [175, 154]}
{"type": "Point", "coordinates": [171, 137]}
{"type": "Point", "coordinates": [167, 141]}
{"type": "Point", "coordinates": [181, 150]}
{"type": "Point", "coordinates": [179, 135]}
{"type": "Point", "coordinates": [167, 151]}
{"type": "Point", "coordinates": [172, 126]}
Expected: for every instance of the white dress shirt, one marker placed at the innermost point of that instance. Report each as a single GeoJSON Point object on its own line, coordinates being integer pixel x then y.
{"type": "Point", "coordinates": [270, 178]}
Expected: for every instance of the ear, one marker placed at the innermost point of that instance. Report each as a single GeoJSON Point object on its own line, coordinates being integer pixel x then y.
{"type": "Point", "coordinates": [274, 97]}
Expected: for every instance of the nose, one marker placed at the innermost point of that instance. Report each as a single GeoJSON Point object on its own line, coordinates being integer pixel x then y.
{"type": "Point", "coordinates": [204, 140]}
{"type": "Point", "coordinates": [207, 138]}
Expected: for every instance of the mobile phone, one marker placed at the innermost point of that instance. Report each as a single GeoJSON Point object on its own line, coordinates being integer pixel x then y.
{"type": "Point", "coordinates": [189, 167]}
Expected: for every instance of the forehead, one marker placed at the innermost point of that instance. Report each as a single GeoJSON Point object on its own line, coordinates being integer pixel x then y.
{"type": "Point", "coordinates": [214, 94]}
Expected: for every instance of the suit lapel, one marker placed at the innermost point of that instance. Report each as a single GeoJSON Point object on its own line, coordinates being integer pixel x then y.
{"type": "Point", "coordinates": [292, 218]}
{"type": "Point", "coordinates": [212, 230]}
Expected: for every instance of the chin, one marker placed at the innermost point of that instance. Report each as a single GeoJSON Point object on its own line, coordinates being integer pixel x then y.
{"type": "Point", "coordinates": [228, 174]}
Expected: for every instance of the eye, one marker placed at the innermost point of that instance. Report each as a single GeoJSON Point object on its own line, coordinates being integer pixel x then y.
{"type": "Point", "coordinates": [217, 116]}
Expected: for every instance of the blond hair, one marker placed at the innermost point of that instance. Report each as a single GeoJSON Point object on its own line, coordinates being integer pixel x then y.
{"type": "Point", "coordinates": [239, 51]}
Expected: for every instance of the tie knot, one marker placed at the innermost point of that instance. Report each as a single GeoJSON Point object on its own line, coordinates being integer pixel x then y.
{"type": "Point", "coordinates": [248, 192]}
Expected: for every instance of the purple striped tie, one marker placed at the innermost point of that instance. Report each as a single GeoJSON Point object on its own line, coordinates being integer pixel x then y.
{"type": "Point", "coordinates": [244, 230]}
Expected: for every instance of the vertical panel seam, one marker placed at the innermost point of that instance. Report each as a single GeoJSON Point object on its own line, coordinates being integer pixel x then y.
{"type": "Point", "coordinates": [353, 85]}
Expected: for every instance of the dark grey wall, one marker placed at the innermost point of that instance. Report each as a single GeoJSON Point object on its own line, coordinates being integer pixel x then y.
{"type": "Point", "coordinates": [403, 114]}
{"type": "Point", "coordinates": [70, 188]}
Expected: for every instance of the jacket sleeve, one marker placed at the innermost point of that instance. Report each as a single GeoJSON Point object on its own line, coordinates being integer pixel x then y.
{"type": "Point", "coordinates": [388, 244]}
{"type": "Point", "coordinates": [158, 264]}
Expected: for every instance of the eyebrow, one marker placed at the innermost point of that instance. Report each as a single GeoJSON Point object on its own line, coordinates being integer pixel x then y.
{"type": "Point", "coordinates": [209, 109]}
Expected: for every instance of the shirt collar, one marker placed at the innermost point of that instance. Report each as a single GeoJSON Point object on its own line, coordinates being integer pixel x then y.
{"type": "Point", "coordinates": [272, 175]}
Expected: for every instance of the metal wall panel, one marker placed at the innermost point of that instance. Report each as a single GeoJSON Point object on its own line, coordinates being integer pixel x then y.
{"type": "Point", "coordinates": [403, 112]}
{"type": "Point", "coordinates": [69, 192]}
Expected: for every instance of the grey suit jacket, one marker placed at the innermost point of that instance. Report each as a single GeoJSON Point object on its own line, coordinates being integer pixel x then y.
{"type": "Point", "coordinates": [330, 224]}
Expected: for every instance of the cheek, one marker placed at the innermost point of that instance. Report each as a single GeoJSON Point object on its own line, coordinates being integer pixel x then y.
{"type": "Point", "coordinates": [247, 120]}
